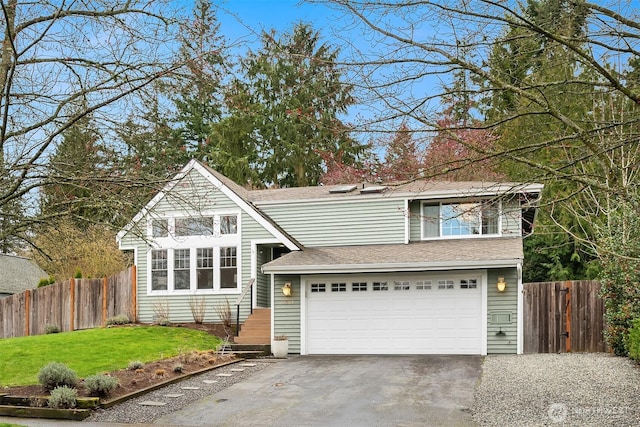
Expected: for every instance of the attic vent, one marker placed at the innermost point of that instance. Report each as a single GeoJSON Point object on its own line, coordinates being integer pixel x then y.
{"type": "Point", "coordinates": [343, 189]}
{"type": "Point", "coordinates": [373, 189]}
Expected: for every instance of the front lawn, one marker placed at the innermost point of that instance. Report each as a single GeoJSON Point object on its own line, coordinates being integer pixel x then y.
{"type": "Point", "coordinates": [95, 351]}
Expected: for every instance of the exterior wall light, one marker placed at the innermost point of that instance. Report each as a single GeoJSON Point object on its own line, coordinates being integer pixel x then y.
{"type": "Point", "coordinates": [286, 289]}
{"type": "Point", "coordinates": [501, 285]}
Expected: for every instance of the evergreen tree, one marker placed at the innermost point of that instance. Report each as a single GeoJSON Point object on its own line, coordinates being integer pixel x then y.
{"type": "Point", "coordinates": [284, 113]}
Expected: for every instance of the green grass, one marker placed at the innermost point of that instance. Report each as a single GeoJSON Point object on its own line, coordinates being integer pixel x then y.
{"type": "Point", "coordinates": [95, 351]}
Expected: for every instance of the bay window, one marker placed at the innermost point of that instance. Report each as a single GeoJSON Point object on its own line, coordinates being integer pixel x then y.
{"type": "Point", "coordinates": [460, 219]}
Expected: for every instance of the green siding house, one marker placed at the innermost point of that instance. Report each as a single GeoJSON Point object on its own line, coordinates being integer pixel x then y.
{"type": "Point", "coordinates": [424, 267]}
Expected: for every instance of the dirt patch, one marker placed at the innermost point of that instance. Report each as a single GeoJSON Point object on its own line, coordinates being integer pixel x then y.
{"type": "Point", "coordinates": [151, 373]}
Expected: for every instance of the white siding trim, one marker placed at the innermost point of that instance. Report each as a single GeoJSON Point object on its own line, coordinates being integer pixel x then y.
{"type": "Point", "coordinates": [273, 308]}
{"type": "Point", "coordinates": [250, 210]}
{"type": "Point", "coordinates": [407, 225]}
{"type": "Point", "coordinates": [485, 301]}
{"type": "Point", "coordinates": [390, 268]}
{"type": "Point", "coordinates": [254, 265]}
{"type": "Point", "coordinates": [303, 316]}
{"type": "Point", "coordinates": [239, 201]}
{"type": "Point", "coordinates": [520, 317]}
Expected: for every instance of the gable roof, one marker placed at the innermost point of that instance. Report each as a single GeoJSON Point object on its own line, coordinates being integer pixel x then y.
{"type": "Point", "coordinates": [19, 274]}
{"type": "Point", "coordinates": [229, 188]}
{"type": "Point", "coordinates": [442, 254]}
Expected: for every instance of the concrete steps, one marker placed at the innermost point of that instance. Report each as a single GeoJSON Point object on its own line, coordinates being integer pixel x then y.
{"type": "Point", "coordinates": [256, 329]}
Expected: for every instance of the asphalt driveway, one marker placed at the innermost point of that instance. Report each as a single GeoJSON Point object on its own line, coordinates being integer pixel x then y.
{"type": "Point", "coordinates": [344, 391]}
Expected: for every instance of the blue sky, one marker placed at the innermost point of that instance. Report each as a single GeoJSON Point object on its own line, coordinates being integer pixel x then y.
{"type": "Point", "coordinates": [244, 19]}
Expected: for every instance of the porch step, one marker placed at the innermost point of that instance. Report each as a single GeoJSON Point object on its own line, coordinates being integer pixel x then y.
{"type": "Point", "coordinates": [247, 351]}
{"type": "Point", "coordinates": [256, 329]}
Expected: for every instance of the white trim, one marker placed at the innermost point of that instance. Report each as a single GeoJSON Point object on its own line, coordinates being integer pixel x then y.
{"type": "Point", "coordinates": [239, 201]}
{"type": "Point", "coordinates": [520, 316]}
{"type": "Point", "coordinates": [193, 289]}
{"type": "Point", "coordinates": [485, 324]}
{"type": "Point", "coordinates": [273, 301]}
{"type": "Point", "coordinates": [424, 203]}
{"type": "Point", "coordinates": [407, 224]}
{"type": "Point", "coordinates": [303, 316]}
{"type": "Point", "coordinates": [480, 274]}
{"type": "Point", "coordinates": [391, 267]}
{"type": "Point", "coordinates": [249, 210]}
{"type": "Point", "coordinates": [254, 264]}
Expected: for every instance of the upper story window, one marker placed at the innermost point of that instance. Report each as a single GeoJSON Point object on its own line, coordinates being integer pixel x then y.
{"type": "Point", "coordinates": [194, 226]}
{"type": "Point", "coordinates": [160, 227]}
{"type": "Point", "coordinates": [228, 224]}
{"type": "Point", "coordinates": [460, 219]}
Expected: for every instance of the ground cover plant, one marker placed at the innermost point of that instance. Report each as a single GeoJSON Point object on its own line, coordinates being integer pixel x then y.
{"type": "Point", "coordinates": [96, 351]}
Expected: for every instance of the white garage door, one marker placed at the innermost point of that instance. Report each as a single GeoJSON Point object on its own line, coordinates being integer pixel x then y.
{"type": "Point", "coordinates": [422, 316]}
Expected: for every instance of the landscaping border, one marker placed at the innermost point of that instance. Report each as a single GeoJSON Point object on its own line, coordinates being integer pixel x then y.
{"type": "Point", "coordinates": [80, 414]}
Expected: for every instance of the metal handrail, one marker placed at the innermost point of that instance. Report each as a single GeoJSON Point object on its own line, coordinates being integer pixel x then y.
{"type": "Point", "coordinates": [240, 299]}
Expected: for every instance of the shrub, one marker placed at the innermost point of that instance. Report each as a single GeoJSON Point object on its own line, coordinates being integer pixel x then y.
{"type": "Point", "coordinates": [51, 329]}
{"type": "Point", "coordinates": [63, 397]}
{"type": "Point", "coordinates": [46, 281]}
{"type": "Point", "coordinates": [57, 374]}
{"type": "Point", "coordinates": [135, 365]}
{"type": "Point", "coordinates": [78, 274]}
{"type": "Point", "coordinates": [120, 319]}
{"type": "Point", "coordinates": [634, 341]}
{"type": "Point", "coordinates": [100, 385]}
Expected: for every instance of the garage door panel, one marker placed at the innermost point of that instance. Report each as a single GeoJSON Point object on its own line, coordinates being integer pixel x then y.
{"type": "Point", "coordinates": [396, 321]}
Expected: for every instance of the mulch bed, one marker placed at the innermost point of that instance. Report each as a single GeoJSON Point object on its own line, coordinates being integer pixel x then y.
{"type": "Point", "coordinates": [151, 374]}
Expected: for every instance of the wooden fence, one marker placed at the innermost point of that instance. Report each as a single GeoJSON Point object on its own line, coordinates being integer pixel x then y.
{"type": "Point", "coordinates": [563, 317]}
{"type": "Point", "coordinates": [70, 305]}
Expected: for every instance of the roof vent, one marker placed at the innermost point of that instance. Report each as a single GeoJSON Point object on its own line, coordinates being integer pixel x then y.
{"type": "Point", "coordinates": [373, 189]}
{"type": "Point", "coordinates": [342, 189]}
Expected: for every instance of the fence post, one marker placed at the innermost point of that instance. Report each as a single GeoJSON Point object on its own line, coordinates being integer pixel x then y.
{"type": "Point", "coordinates": [27, 311]}
{"type": "Point", "coordinates": [72, 302]}
{"type": "Point", "coordinates": [104, 301]}
{"type": "Point", "coordinates": [567, 302]}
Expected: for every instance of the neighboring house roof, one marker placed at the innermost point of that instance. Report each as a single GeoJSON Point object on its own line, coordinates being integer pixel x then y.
{"type": "Point", "coordinates": [428, 255]}
{"type": "Point", "coordinates": [19, 274]}
{"type": "Point", "coordinates": [420, 189]}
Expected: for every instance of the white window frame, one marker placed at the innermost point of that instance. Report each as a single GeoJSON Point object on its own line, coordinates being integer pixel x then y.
{"type": "Point", "coordinates": [461, 236]}
{"type": "Point", "coordinates": [216, 242]}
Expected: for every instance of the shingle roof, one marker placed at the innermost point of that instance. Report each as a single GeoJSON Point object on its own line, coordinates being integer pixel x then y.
{"type": "Point", "coordinates": [19, 274]}
{"type": "Point", "coordinates": [414, 189]}
{"type": "Point", "coordinates": [434, 254]}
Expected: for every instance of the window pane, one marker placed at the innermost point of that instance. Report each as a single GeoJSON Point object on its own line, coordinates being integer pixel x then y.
{"type": "Point", "coordinates": [204, 270]}
{"type": "Point", "coordinates": [228, 268]}
{"type": "Point", "coordinates": [461, 219]}
{"type": "Point", "coordinates": [159, 270]}
{"type": "Point", "coordinates": [160, 227]}
{"type": "Point", "coordinates": [490, 217]}
{"type": "Point", "coordinates": [201, 226]}
{"type": "Point", "coordinates": [228, 224]}
{"type": "Point", "coordinates": [431, 221]}
{"type": "Point", "coordinates": [181, 269]}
